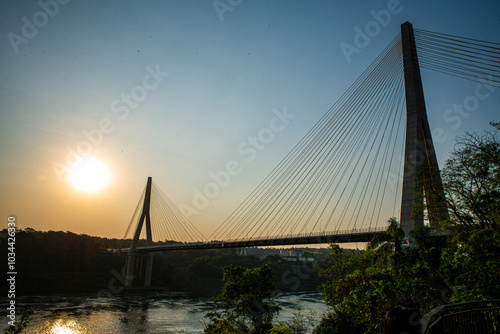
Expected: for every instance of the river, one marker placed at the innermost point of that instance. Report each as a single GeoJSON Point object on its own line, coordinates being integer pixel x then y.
{"type": "Point", "coordinates": [158, 313]}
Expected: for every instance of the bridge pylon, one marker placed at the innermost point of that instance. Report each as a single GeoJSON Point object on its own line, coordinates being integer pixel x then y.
{"type": "Point", "coordinates": [132, 255]}
{"type": "Point", "coordinates": [421, 176]}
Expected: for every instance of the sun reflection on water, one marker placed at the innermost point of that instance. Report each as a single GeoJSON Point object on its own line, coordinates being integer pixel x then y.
{"type": "Point", "coordinates": [66, 327]}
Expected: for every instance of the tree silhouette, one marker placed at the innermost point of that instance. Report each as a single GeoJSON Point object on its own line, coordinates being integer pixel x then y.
{"type": "Point", "coordinates": [390, 240]}
{"type": "Point", "coordinates": [245, 298]}
{"type": "Point", "coordinates": [471, 179]}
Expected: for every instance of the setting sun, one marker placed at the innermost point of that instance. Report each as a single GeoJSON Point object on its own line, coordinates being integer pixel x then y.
{"type": "Point", "coordinates": [89, 176]}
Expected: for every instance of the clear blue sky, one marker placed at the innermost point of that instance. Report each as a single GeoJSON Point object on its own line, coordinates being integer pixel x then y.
{"type": "Point", "coordinates": [204, 80]}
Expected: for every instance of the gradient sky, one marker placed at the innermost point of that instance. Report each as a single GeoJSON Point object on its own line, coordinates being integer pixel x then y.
{"type": "Point", "coordinates": [227, 72]}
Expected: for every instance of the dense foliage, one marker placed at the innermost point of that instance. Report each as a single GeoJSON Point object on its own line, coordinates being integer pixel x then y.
{"type": "Point", "coordinates": [362, 288]}
{"type": "Point", "coordinates": [61, 262]}
{"type": "Point", "coordinates": [245, 304]}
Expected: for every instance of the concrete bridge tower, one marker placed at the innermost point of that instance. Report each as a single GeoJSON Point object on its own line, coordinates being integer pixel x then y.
{"type": "Point", "coordinates": [421, 177]}
{"type": "Point", "coordinates": [132, 256]}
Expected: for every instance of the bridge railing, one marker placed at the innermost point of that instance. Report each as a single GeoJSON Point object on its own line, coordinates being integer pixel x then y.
{"type": "Point", "coordinates": [481, 317]}
{"type": "Point", "coordinates": [311, 234]}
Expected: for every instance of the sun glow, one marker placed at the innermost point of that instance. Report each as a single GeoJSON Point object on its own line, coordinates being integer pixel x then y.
{"type": "Point", "coordinates": [68, 327]}
{"type": "Point", "coordinates": [90, 176]}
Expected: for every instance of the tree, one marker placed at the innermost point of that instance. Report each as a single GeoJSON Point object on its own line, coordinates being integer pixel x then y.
{"type": "Point", "coordinates": [474, 263]}
{"type": "Point", "coordinates": [471, 180]}
{"type": "Point", "coordinates": [246, 298]}
{"type": "Point", "coordinates": [390, 240]}
{"type": "Point", "coordinates": [20, 325]}
{"type": "Point", "coordinates": [358, 290]}
{"type": "Point", "coordinates": [299, 324]}
{"type": "Point", "coordinates": [339, 322]}
{"type": "Point", "coordinates": [363, 286]}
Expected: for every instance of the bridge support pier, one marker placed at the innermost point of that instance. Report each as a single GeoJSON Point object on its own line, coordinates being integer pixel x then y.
{"type": "Point", "coordinates": [149, 270]}
{"type": "Point", "coordinates": [129, 274]}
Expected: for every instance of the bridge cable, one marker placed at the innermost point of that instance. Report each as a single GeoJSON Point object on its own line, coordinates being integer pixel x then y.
{"type": "Point", "coordinates": [466, 58]}
{"type": "Point", "coordinates": [299, 180]}
{"type": "Point", "coordinates": [137, 212]}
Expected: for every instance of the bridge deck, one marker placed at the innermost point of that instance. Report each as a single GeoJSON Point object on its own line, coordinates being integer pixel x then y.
{"type": "Point", "coordinates": [360, 235]}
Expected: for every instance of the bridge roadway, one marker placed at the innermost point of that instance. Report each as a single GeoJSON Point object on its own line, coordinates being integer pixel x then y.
{"type": "Point", "coordinates": [344, 236]}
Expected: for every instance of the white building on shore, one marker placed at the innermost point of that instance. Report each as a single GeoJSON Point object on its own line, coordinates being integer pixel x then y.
{"type": "Point", "coordinates": [286, 254]}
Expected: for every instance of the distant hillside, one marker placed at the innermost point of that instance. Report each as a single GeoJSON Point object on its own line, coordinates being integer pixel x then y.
{"type": "Point", "coordinates": [65, 262]}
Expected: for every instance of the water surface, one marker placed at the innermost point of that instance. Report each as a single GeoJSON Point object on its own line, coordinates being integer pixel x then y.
{"type": "Point", "coordinates": [157, 313]}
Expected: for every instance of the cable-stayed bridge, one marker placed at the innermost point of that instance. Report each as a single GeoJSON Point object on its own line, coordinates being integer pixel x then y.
{"type": "Point", "coordinates": [370, 156]}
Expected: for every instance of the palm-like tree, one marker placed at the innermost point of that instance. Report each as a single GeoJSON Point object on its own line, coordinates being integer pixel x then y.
{"type": "Point", "coordinates": [390, 240]}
